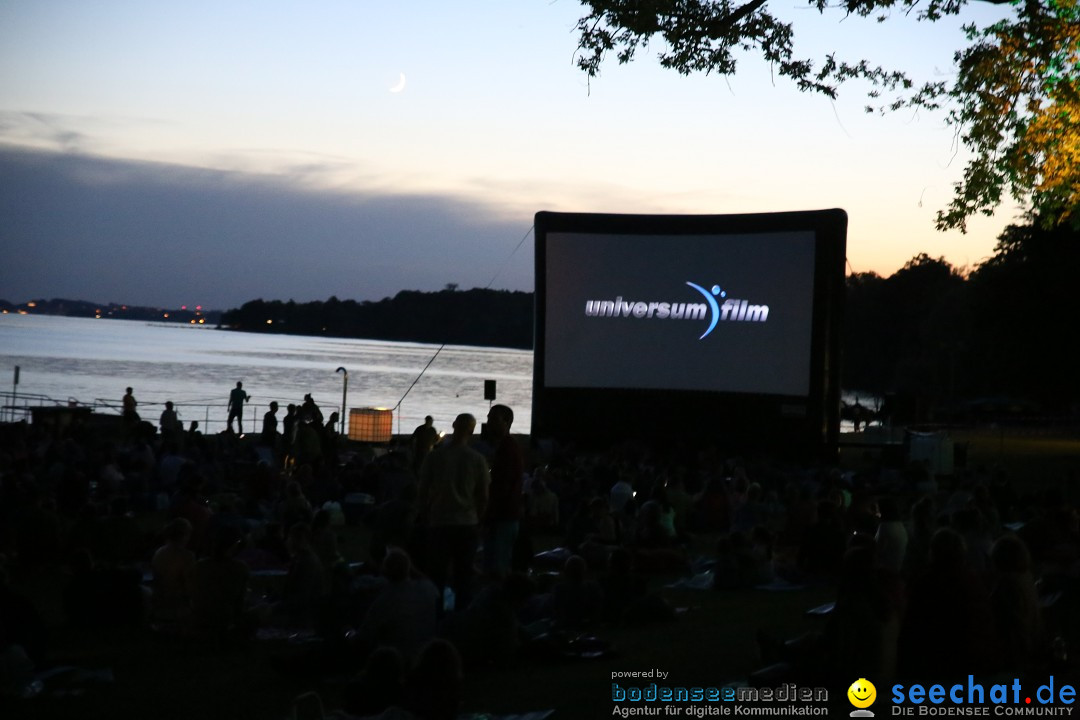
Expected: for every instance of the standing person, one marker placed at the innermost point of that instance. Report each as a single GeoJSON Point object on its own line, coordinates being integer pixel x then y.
{"type": "Point", "coordinates": [503, 513]}
{"type": "Point", "coordinates": [452, 497]}
{"type": "Point", "coordinates": [237, 398]}
{"type": "Point", "coordinates": [288, 434]}
{"type": "Point", "coordinates": [171, 427]}
{"type": "Point", "coordinates": [269, 428]}
{"type": "Point", "coordinates": [129, 403]}
{"type": "Point", "coordinates": [330, 438]}
{"type": "Point", "coordinates": [310, 409]}
{"type": "Point", "coordinates": [424, 438]}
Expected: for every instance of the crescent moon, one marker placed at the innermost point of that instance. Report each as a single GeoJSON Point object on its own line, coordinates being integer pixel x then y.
{"type": "Point", "coordinates": [400, 85]}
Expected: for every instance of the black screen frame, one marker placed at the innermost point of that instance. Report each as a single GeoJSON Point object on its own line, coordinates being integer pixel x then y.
{"type": "Point", "coordinates": [800, 425]}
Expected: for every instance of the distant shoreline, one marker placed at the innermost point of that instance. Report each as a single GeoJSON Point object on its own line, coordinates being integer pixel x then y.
{"type": "Point", "coordinates": [472, 318]}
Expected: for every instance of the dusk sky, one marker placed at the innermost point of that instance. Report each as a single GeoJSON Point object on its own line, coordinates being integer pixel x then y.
{"type": "Point", "coordinates": [216, 152]}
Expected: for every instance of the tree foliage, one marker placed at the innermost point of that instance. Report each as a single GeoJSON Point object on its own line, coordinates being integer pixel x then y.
{"type": "Point", "coordinates": [1025, 306]}
{"type": "Point", "coordinates": [1014, 102]}
{"type": "Point", "coordinates": [1003, 331]}
{"type": "Point", "coordinates": [903, 333]}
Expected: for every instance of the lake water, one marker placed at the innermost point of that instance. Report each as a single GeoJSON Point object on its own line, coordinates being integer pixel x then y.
{"type": "Point", "coordinates": [92, 361]}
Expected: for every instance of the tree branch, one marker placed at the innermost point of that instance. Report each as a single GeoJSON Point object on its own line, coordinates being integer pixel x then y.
{"type": "Point", "coordinates": [730, 20]}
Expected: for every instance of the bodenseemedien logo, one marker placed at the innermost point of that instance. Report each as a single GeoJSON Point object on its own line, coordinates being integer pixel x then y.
{"type": "Point", "coordinates": [712, 310]}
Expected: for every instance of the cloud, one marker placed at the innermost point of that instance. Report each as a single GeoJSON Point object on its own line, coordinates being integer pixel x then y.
{"type": "Point", "coordinates": [42, 130]}
{"type": "Point", "coordinates": [84, 227]}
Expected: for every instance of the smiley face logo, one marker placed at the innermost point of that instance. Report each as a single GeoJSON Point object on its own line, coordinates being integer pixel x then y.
{"type": "Point", "coordinates": [862, 693]}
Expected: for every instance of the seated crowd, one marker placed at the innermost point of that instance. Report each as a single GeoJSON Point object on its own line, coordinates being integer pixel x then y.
{"type": "Point", "coordinates": [173, 533]}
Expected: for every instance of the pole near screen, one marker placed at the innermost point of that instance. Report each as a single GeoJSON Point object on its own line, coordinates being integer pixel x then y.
{"type": "Point", "coordinates": [344, 396]}
{"type": "Point", "coordinates": [14, 385]}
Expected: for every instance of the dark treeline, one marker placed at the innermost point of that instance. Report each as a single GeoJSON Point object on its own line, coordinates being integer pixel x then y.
{"type": "Point", "coordinates": [494, 318]}
{"type": "Point", "coordinates": [114, 311]}
{"type": "Point", "coordinates": [1004, 335]}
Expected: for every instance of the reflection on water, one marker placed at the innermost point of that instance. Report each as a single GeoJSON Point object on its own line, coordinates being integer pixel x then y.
{"type": "Point", "coordinates": [94, 360]}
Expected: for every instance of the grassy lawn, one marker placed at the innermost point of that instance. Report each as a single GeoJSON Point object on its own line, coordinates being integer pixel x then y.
{"type": "Point", "coordinates": [710, 643]}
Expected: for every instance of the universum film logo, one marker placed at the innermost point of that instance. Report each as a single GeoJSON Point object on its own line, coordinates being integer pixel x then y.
{"type": "Point", "coordinates": [731, 310]}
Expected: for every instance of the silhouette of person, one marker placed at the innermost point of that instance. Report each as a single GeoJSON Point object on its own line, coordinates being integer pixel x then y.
{"type": "Point", "coordinates": [453, 494]}
{"type": "Point", "coordinates": [505, 493]}
{"type": "Point", "coordinates": [311, 410]}
{"type": "Point", "coordinates": [237, 398]}
{"type": "Point", "coordinates": [129, 403]}
{"type": "Point", "coordinates": [403, 614]}
{"type": "Point", "coordinates": [269, 427]}
{"type": "Point", "coordinates": [424, 438]}
{"type": "Point", "coordinates": [171, 427]}
{"type": "Point", "coordinates": [288, 435]}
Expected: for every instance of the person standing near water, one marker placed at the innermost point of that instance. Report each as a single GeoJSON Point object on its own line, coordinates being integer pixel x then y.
{"type": "Point", "coordinates": [269, 428]}
{"type": "Point", "coordinates": [237, 398]}
{"type": "Point", "coordinates": [171, 427]}
{"type": "Point", "coordinates": [424, 438]}
{"type": "Point", "coordinates": [129, 402]}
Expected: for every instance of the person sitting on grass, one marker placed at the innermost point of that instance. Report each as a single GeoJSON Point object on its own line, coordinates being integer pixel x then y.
{"type": "Point", "coordinates": [576, 599]}
{"type": "Point", "coordinates": [627, 599]}
{"type": "Point", "coordinates": [594, 533]}
{"type": "Point", "coordinates": [488, 631]}
{"type": "Point", "coordinates": [219, 587]}
{"type": "Point", "coordinates": [173, 566]}
{"type": "Point", "coordinates": [949, 623]}
{"type": "Point", "coordinates": [541, 506]}
{"type": "Point", "coordinates": [404, 613]}
{"type": "Point", "coordinates": [323, 539]}
{"type": "Point", "coordinates": [393, 523]}
{"type": "Point", "coordinates": [302, 595]}
{"type": "Point", "coordinates": [654, 544]}
{"type": "Point", "coordinates": [190, 503]}
{"type": "Point", "coordinates": [294, 507]}
{"type": "Point", "coordinates": [1014, 600]}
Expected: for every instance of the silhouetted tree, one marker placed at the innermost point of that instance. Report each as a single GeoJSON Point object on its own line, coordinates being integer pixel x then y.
{"type": "Point", "coordinates": [1014, 100]}
{"type": "Point", "coordinates": [935, 338]}
{"type": "Point", "coordinates": [473, 317]}
{"type": "Point", "coordinates": [905, 333]}
{"type": "Point", "coordinates": [1025, 309]}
